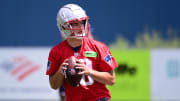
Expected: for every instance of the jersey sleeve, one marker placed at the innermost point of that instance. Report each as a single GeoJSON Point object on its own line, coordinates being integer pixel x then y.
{"type": "Point", "coordinates": [106, 61]}
{"type": "Point", "coordinates": [53, 64]}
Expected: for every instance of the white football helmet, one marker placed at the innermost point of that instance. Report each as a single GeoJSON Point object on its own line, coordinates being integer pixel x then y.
{"type": "Point", "coordinates": [68, 14]}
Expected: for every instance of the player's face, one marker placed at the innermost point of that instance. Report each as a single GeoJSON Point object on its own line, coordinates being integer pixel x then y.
{"type": "Point", "coordinates": [78, 27]}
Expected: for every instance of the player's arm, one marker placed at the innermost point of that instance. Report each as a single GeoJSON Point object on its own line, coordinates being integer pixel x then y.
{"type": "Point", "coordinates": [57, 79]}
{"type": "Point", "coordinates": [103, 77]}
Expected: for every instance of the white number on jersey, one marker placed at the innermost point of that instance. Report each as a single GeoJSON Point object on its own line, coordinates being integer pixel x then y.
{"type": "Point", "coordinates": [87, 80]}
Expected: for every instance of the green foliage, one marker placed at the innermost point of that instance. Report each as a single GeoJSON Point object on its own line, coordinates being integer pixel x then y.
{"type": "Point", "coordinates": [149, 39]}
{"type": "Point", "coordinates": [120, 42]}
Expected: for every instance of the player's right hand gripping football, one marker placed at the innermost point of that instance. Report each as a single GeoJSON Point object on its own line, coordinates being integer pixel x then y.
{"type": "Point", "coordinates": [63, 67]}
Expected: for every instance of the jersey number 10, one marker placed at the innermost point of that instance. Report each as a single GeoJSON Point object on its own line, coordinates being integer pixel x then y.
{"type": "Point", "coordinates": [86, 79]}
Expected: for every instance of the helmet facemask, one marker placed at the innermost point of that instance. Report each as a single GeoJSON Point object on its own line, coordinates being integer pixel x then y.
{"type": "Point", "coordinates": [73, 32]}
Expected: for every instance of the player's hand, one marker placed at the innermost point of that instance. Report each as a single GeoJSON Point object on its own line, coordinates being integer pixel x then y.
{"type": "Point", "coordinates": [63, 67]}
{"type": "Point", "coordinates": [83, 67]}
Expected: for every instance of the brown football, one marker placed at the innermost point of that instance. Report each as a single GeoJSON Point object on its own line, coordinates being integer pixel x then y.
{"type": "Point", "coordinates": [72, 62]}
{"type": "Point", "coordinates": [72, 76]}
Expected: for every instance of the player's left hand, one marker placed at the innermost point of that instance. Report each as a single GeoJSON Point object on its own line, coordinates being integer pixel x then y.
{"type": "Point", "coordinates": [83, 67]}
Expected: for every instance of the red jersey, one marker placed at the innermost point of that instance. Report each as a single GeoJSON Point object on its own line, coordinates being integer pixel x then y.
{"type": "Point", "coordinates": [96, 56]}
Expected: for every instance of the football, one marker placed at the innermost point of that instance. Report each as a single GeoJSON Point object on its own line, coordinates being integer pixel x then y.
{"type": "Point", "coordinates": [72, 76]}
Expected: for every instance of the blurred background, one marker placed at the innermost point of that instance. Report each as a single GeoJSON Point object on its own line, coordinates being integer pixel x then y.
{"type": "Point", "coordinates": [143, 35]}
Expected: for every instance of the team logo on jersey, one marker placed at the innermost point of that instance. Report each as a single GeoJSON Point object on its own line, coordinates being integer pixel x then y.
{"type": "Point", "coordinates": [108, 59]}
{"type": "Point", "coordinates": [90, 54]}
{"type": "Point", "coordinates": [48, 65]}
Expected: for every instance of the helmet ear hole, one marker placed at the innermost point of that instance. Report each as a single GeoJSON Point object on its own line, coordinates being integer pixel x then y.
{"type": "Point", "coordinates": [84, 21]}
{"type": "Point", "coordinates": [63, 27]}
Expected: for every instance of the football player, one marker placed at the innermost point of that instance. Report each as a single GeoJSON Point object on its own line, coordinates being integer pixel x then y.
{"type": "Point", "coordinates": [62, 89]}
{"type": "Point", "coordinates": [96, 61]}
